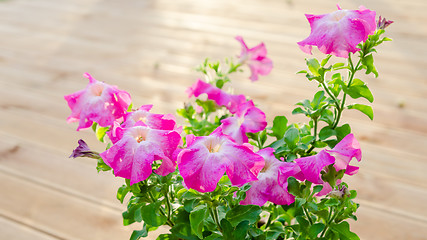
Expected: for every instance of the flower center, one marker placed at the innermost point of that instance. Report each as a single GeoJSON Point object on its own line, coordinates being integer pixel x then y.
{"type": "Point", "coordinates": [338, 15]}
{"type": "Point", "coordinates": [213, 145]}
{"type": "Point", "coordinates": [240, 121]}
{"type": "Point", "coordinates": [139, 133]}
{"type": "Point", "coordinates": [97, 89]}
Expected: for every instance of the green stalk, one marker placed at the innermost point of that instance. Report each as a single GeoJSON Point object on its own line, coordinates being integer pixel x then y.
{"type": "Point", "coordinates": [308, 215]}
{"type": "Point", "coordinates": [162, 211]}
{"type": "Point", "coordinates": [315, 136]}
{"type": "Point", "coordinates": [353, 71]}
{"type": "Point", "coordinates": [214, 214]}
{"type": "Point", "coordinates": [327, 221]}
{"type": "Point", "coordinates": [169, 205]}
{"type": "Point", "coordinates": [337, 105]}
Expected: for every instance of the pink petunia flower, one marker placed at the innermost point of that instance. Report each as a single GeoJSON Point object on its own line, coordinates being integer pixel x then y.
{"type": "Point", "coordinates": [312, 166]}
{"type": "Point", "coordinates": [339, 32]}
{"type": "Point", "coordinates": [142, 115]}
{"type": "Point", "coordinates": [256, 58]}
{"type": "Point", "coordinates": [206, 158]}
{"type": "Point", "coordinates": [98, 102]}
{"type": "Point", "coordinates": [199, 87]}
{"type": "Point", "coordinates": [347, 149]}
{"type": "Point", "coordinates": [235, 102]}
{"type": "Point", "coordinates": [220, 97]}
{"type": "Point", "coordinates": [132, 156]}
{"type": "Point", "coordinates": [341, 155]}
{"type": "Point", "coordinates": [248, 119]}
{"type": "Point", "coordinates": [267, 187]}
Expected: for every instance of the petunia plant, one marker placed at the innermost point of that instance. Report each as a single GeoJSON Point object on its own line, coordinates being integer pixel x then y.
{"type": "Point", "coordinates": [227, 173]}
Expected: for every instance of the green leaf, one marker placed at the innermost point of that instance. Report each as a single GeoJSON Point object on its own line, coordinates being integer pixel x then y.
{"type": "Point", "coordinates": [317, 99]}
{"type": "Point", "coordinates": [130, 107]}
{"type": "Point", "coordinates": [262, 136]}
{"type": "Point", "coordinates": [332, 202]}
{"type": "Point", "coordinates": [273, 235]}
{"type": "Point", "coordinates": [315, 229]}
{"type": "Point", "coordinates": [279, 126]}
{"type": "Point", "coordinates": [367, 110]}
{"type": "Point", "coordinates": [137, 234]}
{"type": "Point", "coordinates": [343, 229]}
{"type": "Point", "coordinates": [298, 110]}
{"type": "Point", "coordinates": [293, 186]}
{"type": "Point", "coordinates": [368, 63]}
{"type": "Point", "coordinates": [219, 83]}
{"type": "Point", "coordinates": [337, 66]}
{"type": "Point", "coordinates": [241, 230]}
{"type": "Point", "coordinates": [190, 204]}
{"type": "Point", "coordinates": [326, 132]}
{"type": "Point", "coordinates": [182, 230]}
{"type": "Point", "coordinates": [227, 229]}
{"type": "Point", "coordinates": [317, 188]}
{"type": "Point", "coordinates": [325, 61]}
{"type": "Point", "coordinates": [208, 105]}
{"type": "Point", "coordinates": [94, 126]}
{"type": "Point", "coordinates": [243, 212]}
{"type": "Point", "coordinates": [121, 192]}
{"type": "Point", "coordinates": [196, 219]}
{"type": "Point", "coordinates": [342, 131]}
{"type": "Point", "coordinates": [102, 166]}
{"type": "Point", "coordinates": [303, 224]}
{"type": "Point", "coordinates": [359, 89]}
{"type": "Point", "coordinates": [167, 237]}
{"type": "Point", "coordinates": [151, 214]}
{"type": "Point", "coordinates": [100, 133]}
{"type": "Point", "coordinates": [213, 236]}
{"type": "Point", "coordinates": [131, 215]}
{"type": "Point", "coordinates": [313, 65]}
{"type": "Point", "coordinates": [327, 116]}
{"type": "Point", "coordinates": [292, 137]}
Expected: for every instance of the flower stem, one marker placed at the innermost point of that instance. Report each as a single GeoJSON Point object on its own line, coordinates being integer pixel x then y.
{"type": "Point", "coordinates": [162, 211]}
{"type": "Point", "coordinates": [326, 226]}
{"type": "Point", "coordinates": [308, 215]}
{"type": "Point", "coordinates": [214, 214]}
{"type": "Point", "coordinates": [337, 104]}
{"type": "Point", "coordinates": [314, 135]}
{"type": "Point", "coordinates": [353, 70]}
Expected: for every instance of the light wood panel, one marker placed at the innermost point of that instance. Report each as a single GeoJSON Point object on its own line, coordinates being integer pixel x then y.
{"type": "Point", "coordinates": [150, 48]}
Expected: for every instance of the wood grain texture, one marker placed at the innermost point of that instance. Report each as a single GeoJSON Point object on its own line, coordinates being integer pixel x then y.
{"type": "Point", "coordinates": [150, 48]}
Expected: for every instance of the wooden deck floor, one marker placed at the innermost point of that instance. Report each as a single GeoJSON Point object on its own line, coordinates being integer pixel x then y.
{"type": "Point", "coordinates": [149, 47]}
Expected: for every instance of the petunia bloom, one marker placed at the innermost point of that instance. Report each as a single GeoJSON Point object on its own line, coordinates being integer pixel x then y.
{"type": "Point", "coordinates": [339, 32]}
{"type": "Point", "coordinates": [219, 96]}
{"type": "Point", "coordinates": [145, 118]}
{"type": "Point", "coordinates": [206, 158]}
{"type": "Point", "coordinates": [248, 119]}
{"type": "Point", "coordinates": [267, 187]}
{"type": "Point", "coordinates": [214, 93]}
{"type": "Point", "coordinates": [256, 58]}
{"type": "Point", "coordinates": [132, 156]}
{"type": "Point", "coordinates": [340, 156]}
{"type": "Point", "coordinates": [98, 102]}
{"type": "Point", "coordinates": [347, 149]}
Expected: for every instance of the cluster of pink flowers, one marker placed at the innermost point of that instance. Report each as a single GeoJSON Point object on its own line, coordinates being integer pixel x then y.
{"type": "Point", "coordinates": [141, 138]}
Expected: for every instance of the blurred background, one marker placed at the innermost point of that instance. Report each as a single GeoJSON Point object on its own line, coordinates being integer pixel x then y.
{"type": "Point", "coordinates": [150, 49]}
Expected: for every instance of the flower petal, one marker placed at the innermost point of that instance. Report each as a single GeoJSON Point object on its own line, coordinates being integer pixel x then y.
{"type": "Point", "coordinates": [312, 166]}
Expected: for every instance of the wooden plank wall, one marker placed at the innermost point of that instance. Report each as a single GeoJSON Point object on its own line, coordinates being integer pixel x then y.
{"type": "Point", "coordinates": [149, 48]}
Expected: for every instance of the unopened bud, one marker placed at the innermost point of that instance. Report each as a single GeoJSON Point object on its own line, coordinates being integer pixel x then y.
{"type": "Point", "coordinates": [83, 151]}
{"type": "Point", "coordinates": [383, 23]}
